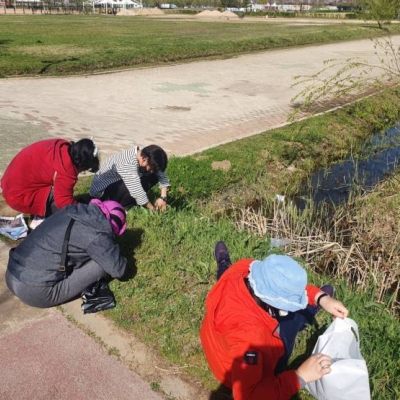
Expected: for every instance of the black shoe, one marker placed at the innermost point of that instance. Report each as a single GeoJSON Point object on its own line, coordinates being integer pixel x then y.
{"type": "Point", "coordinates": [221, 255]}
{"type": "Point", "coordinates": [329, 290]}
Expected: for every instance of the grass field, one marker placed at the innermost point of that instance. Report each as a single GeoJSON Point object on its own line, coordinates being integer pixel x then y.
{"type": "Point", "coordinates": [164, 304]}
{"type": "Point", "coordinates": [71, 44]}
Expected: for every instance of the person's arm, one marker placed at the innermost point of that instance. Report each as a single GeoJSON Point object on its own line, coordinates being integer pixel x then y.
{"type": "Point", "coordinates": [105, 251]}
{"type": "Point", "coordinates": [161, 202]}
{"type": "Point", "coordinates": [150, 206]}
{"type": "Point", "coordinates": [163, 181]}
{"type": "Point", "coordinates": [314, 368]}
{"type": "Point", "coordinates": [330, 305]}
{"type": "Point", "coordinates": [316, 297]}
{"type": "Point", "coordinates": [63, 188]}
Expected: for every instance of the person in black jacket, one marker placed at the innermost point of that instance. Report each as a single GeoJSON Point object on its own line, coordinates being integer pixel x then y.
{"type": "Point", "coordinates": [33, 272]}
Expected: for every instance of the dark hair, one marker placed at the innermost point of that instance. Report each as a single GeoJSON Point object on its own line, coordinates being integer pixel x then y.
{"type": "Point", "coordinates": [156, 157]}
{"type": "Point", "coordinates": [84, 155]}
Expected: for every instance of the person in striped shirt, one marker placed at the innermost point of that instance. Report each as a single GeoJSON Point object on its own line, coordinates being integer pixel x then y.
{"type": "Point", "coordinates": [126, 177]}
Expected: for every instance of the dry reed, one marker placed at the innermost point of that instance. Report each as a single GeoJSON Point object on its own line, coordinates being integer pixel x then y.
{"type": "Point", "coordinates": [332, 245]}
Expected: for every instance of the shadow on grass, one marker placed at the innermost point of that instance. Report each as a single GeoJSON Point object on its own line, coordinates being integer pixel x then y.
{"type": "Point", "coordinates": [222, 393]}
{"type": "Point", "coordinates": [83, 198]}
{"type": "Point", "coordinates": [49, 63]}
{"type": "Point", "coordinates": [176, 200]}
{"type": "Point", "coordinates": [131, 239]}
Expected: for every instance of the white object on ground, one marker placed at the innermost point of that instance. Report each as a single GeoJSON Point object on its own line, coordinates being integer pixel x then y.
{"type": "Point", "coordinates": [13, 227]}
{"type": "Point", "coordinates": [35, 222]}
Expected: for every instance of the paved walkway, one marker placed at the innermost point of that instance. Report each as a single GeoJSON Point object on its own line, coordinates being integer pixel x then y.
{"type": "Point", "coordinates": [184, 108]}
{"type": "Point", "coordinates": [45, 356]}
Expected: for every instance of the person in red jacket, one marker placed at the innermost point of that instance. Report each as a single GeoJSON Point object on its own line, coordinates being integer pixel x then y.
{"type": "Point", "coordinates": [253, 314]}
{"type": "Point", "coordinates": [40, 179]}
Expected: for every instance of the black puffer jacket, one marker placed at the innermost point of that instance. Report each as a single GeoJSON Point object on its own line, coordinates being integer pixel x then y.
{"type": "Point", "coordinates": [36, 260]}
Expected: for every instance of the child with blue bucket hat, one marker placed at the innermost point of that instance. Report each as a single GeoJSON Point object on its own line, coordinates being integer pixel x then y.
{"type": "Point", "coordinates": [253, 315]}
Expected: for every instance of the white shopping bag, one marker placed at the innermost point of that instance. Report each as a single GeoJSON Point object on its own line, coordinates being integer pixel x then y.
{"type": "Point", "coordinates": [348, 379]}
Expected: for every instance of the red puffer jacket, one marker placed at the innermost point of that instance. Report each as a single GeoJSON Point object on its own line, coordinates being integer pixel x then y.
{"type": "Point", "coordinates": [28, 179]}
{"type": "Point", "coordinates": [235, 327]}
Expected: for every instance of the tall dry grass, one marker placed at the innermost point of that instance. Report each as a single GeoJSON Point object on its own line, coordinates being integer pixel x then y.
{"type": "Point", "coordinates": [336, 243]}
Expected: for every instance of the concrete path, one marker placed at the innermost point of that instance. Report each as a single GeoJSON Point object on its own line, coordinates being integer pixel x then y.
{"type": "Point", "coordinates": [184, 108]}
{"type": "Point", "coordinates": [46, 356]}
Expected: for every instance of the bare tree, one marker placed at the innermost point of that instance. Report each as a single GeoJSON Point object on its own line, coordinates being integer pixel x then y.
{"type": "Point", "coordinates": [341, 81]}
{"type": "Point", "coordinates": [381, 11]}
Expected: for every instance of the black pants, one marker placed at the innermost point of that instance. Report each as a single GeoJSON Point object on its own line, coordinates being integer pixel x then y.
{"type": "Point", "coordinates": [51, 207]}
{"type": "Point", "coordinates": [118, 191]}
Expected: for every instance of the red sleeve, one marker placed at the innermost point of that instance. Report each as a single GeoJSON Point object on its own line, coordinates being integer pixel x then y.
{"type": "Point", "coordinates": [64, 190]}
{"type": "Point", "coordinates": [311, 293]}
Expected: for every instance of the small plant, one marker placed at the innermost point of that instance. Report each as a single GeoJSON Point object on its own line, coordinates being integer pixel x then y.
{"type": "Point", "coordinates": [113, 351]}
{"type": "Point", "coordinates": [155, 386]}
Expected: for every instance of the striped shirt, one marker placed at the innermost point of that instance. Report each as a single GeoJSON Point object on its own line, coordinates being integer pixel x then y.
{"type": "Point", "coordinates": [125, 166]}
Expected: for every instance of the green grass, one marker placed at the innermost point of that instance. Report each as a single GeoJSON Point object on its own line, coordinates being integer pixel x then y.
{"type": "Point", "coordinates": [71, 44]}
{"type": "Point", "coordinates": [173, 251]}
{"type": "Point", "coordinates": [174, 269]}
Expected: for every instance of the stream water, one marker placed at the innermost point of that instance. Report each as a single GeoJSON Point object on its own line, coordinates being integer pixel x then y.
{"type": "Point", "coordinates": [379, 159]}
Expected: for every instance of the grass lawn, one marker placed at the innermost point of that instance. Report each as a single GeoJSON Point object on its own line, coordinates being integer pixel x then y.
{"type": "Point", "coordinates": [71, 44]}
{"type": "Point", "coordinates": [164, 303]}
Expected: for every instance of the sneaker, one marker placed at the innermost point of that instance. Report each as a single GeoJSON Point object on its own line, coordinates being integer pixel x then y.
{"type": "Point", "coordinates": [36, 221]}
{"type": "Point", "coordinates": [328, 289]}
{"type": "Point", "coordinates": [221, 255]}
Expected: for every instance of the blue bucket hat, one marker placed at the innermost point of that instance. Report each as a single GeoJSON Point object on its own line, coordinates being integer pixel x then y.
{"type": "Point", "coordinates": [280, 282]}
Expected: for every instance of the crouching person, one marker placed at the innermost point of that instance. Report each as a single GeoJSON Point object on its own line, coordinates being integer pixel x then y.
{"type": "Point", "coordinates": [253, 315]}
{"type": "Point", "coordinates": [35, 271]}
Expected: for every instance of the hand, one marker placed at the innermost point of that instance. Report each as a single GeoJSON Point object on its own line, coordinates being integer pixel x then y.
{"type": "Point", "coordinates": [334, 307]}
{"type": "Point", "coordinates": [160, 205]}
{"type": "Point", "coordinates": [314, 368]}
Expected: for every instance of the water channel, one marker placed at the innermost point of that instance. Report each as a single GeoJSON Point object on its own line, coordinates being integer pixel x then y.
{"type": "Point", "coordinates": [380, 158]}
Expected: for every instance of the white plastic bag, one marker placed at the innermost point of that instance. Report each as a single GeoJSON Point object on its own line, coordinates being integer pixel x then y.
{"type": "Point", "coordinates": [13, 227]}
{"type": "Point", "coordinates": [348, 379]}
